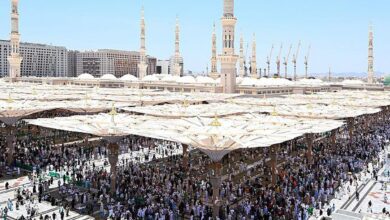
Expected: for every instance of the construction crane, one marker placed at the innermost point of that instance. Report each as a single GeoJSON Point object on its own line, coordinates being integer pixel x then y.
{"type": "Point", "coordinates": [269, 60]}
{"type": "Point", "coordinates": [307, 61]}
{"type": "Point", "coordinates": [286, 61]}
{"type": "Point", "coordinates": [278, 61]}
{"type": "Point", "coordinates": [294, 61]}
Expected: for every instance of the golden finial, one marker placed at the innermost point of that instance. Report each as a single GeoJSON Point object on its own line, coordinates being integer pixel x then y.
{"type": "Point", "coordinates": [140, 95]}
{"type": "Point", "coordinates": [186, 104]}
{"type": "Point", "coordinates": [274, 112]}
{"type": "Point", "coordinates": [87, 97]}
{"type": "Point", "coordinates": [215, 122]}
{"type": "Point", "coordinates": [113, 113]}
{"type": "Point", "coordinates": [10, 100]}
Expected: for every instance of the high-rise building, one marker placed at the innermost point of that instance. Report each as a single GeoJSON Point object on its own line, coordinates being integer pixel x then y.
{"type": "Point", "coordinates": [370, 78]}
{"type": "Point", "coordinates": [115, 62]}
{"type": "Point", "coordinates": [14, 57]}
{"type": "Point", "coordinates": [38, 60]}
{"type": "Point", "coordinates": [228, 58]}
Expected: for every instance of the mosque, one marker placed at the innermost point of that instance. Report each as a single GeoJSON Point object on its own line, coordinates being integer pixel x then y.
{"type": "Point", "coordinates": [229, 79]}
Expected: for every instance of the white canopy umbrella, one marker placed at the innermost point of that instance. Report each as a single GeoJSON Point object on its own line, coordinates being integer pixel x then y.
{"type": "Point", "coordinates": [216, 137]}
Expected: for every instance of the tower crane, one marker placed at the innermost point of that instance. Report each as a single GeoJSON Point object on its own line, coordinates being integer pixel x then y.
{"type": "Point", "coordinates": [286, 61]}
{"type": "Point", "coordinates": [307, 61]}
{"type": "Point", "coordinates": [269, 60]}
{"type": "Point", "coordinates": [278, 61]}
{"type": "Point", "coordinates": [294, 61]}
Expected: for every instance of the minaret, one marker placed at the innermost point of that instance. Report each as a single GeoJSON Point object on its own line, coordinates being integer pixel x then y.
{"type": "Point", "coordinates": [370, 71]}
{"type": "Point", "coordinates": [253, 61]}
{"type": "Point", "coordinates": [177, 67]}
{"type": "Point", "coordinates": [242, 58]}
{"type": "Point", "coordinates": [214, 72]}
{"type": "Point", "coordinates": [228, 58]}
{"type": "Point", "coordinates": [14, 59]}
{"type": "Point", "coordinates": [142, 66]}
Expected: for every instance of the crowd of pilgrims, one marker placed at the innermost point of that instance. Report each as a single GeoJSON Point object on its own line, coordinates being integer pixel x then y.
{"type": "Point", "coordinates": [160, 187]}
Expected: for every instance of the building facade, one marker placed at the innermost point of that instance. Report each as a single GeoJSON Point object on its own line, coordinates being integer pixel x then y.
{"type": "Point", "coordinates": [115, 62]}
{"type": "Point", "coordinates": [163, 67]}
{"type": "Point", "coordinates": [72, 63]}
{"type": "Point", "coordinates": [38, 60]}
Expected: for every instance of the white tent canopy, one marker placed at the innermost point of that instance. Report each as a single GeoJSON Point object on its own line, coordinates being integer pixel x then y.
{"type": "Point", "coordinates": [301, 108]}
{"type": "Point", "coordinates": [215, 137]}
{"type": "Point", "coordinates": [108, 77]}
{"type": "Point", "coordinates": [186, 110]}
{"type": "Point", "coordinates": [11, 111]}
{"type": "Point", "coordinates": [85, 76]}
{"type": "Point", "coordinates": [129, 77]}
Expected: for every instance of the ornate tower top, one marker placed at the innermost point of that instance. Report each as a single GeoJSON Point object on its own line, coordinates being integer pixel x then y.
{"type": "Point", "coordinates": [14, 17]}
{"type": "Point", "coordinates": [214, 35]}
{"type": "Point", "coordinates": [370, 78]}
{"type": "Point", "coordinates": [177, 69]}
{"type": "Point", "coordinates": [142, 66]}
{"type": "Point", "coordinates": [14, 59]}
{"type": "Point", "coordinates": [242, 59]}
{"type": "Point", "coordinates": [143, 26]}
{"type": "Point", "coordinates": [228, 58]}
{"type": "Point", "coordinates": [254, 57]}
{"type": "Point", "coordinates": [177, 38]}
{"type": "Point", "coordinates": [228, 9]}
{"type": "Point", "coordinates": [214, 72]}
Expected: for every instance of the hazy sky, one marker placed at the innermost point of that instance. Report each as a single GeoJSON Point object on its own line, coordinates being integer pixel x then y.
{"type": "Point", "coordinates": [336, 29]}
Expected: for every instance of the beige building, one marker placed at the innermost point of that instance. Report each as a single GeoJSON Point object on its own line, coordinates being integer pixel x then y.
{"type": "Point", "coordinates": [115, 62]}
{"type": "Point", "coordinates": [39, 60]}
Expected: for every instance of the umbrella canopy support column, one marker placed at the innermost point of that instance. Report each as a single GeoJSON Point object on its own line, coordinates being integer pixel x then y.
{"type": "Point", "coordinates": [371, 121]}
{"type": "Point", "coordinates": [11, 137]}
{"type": "Point", "coordinates": [384, 115]}
{"type": "Point", "coordinates": [274, 160]}
{"type": "Point", "coordinates": [185, 157]}
{"type": "Point", "coordinates": [113, 160]}
{"type": "Point", "coordinates": [333, 139]}
{"type": "Point", "coordinates": [86, 141]}
{"type": "Point", "coordinates": [365, 123]}
{"type": "Point", "coordinates": [294, 145]}
{"type": "Point", "coordinates": [216, 181]}
{"type": "Point", "coordinates": [309, 142]}
{"type": "Point", "coordinates": [350, 124]}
